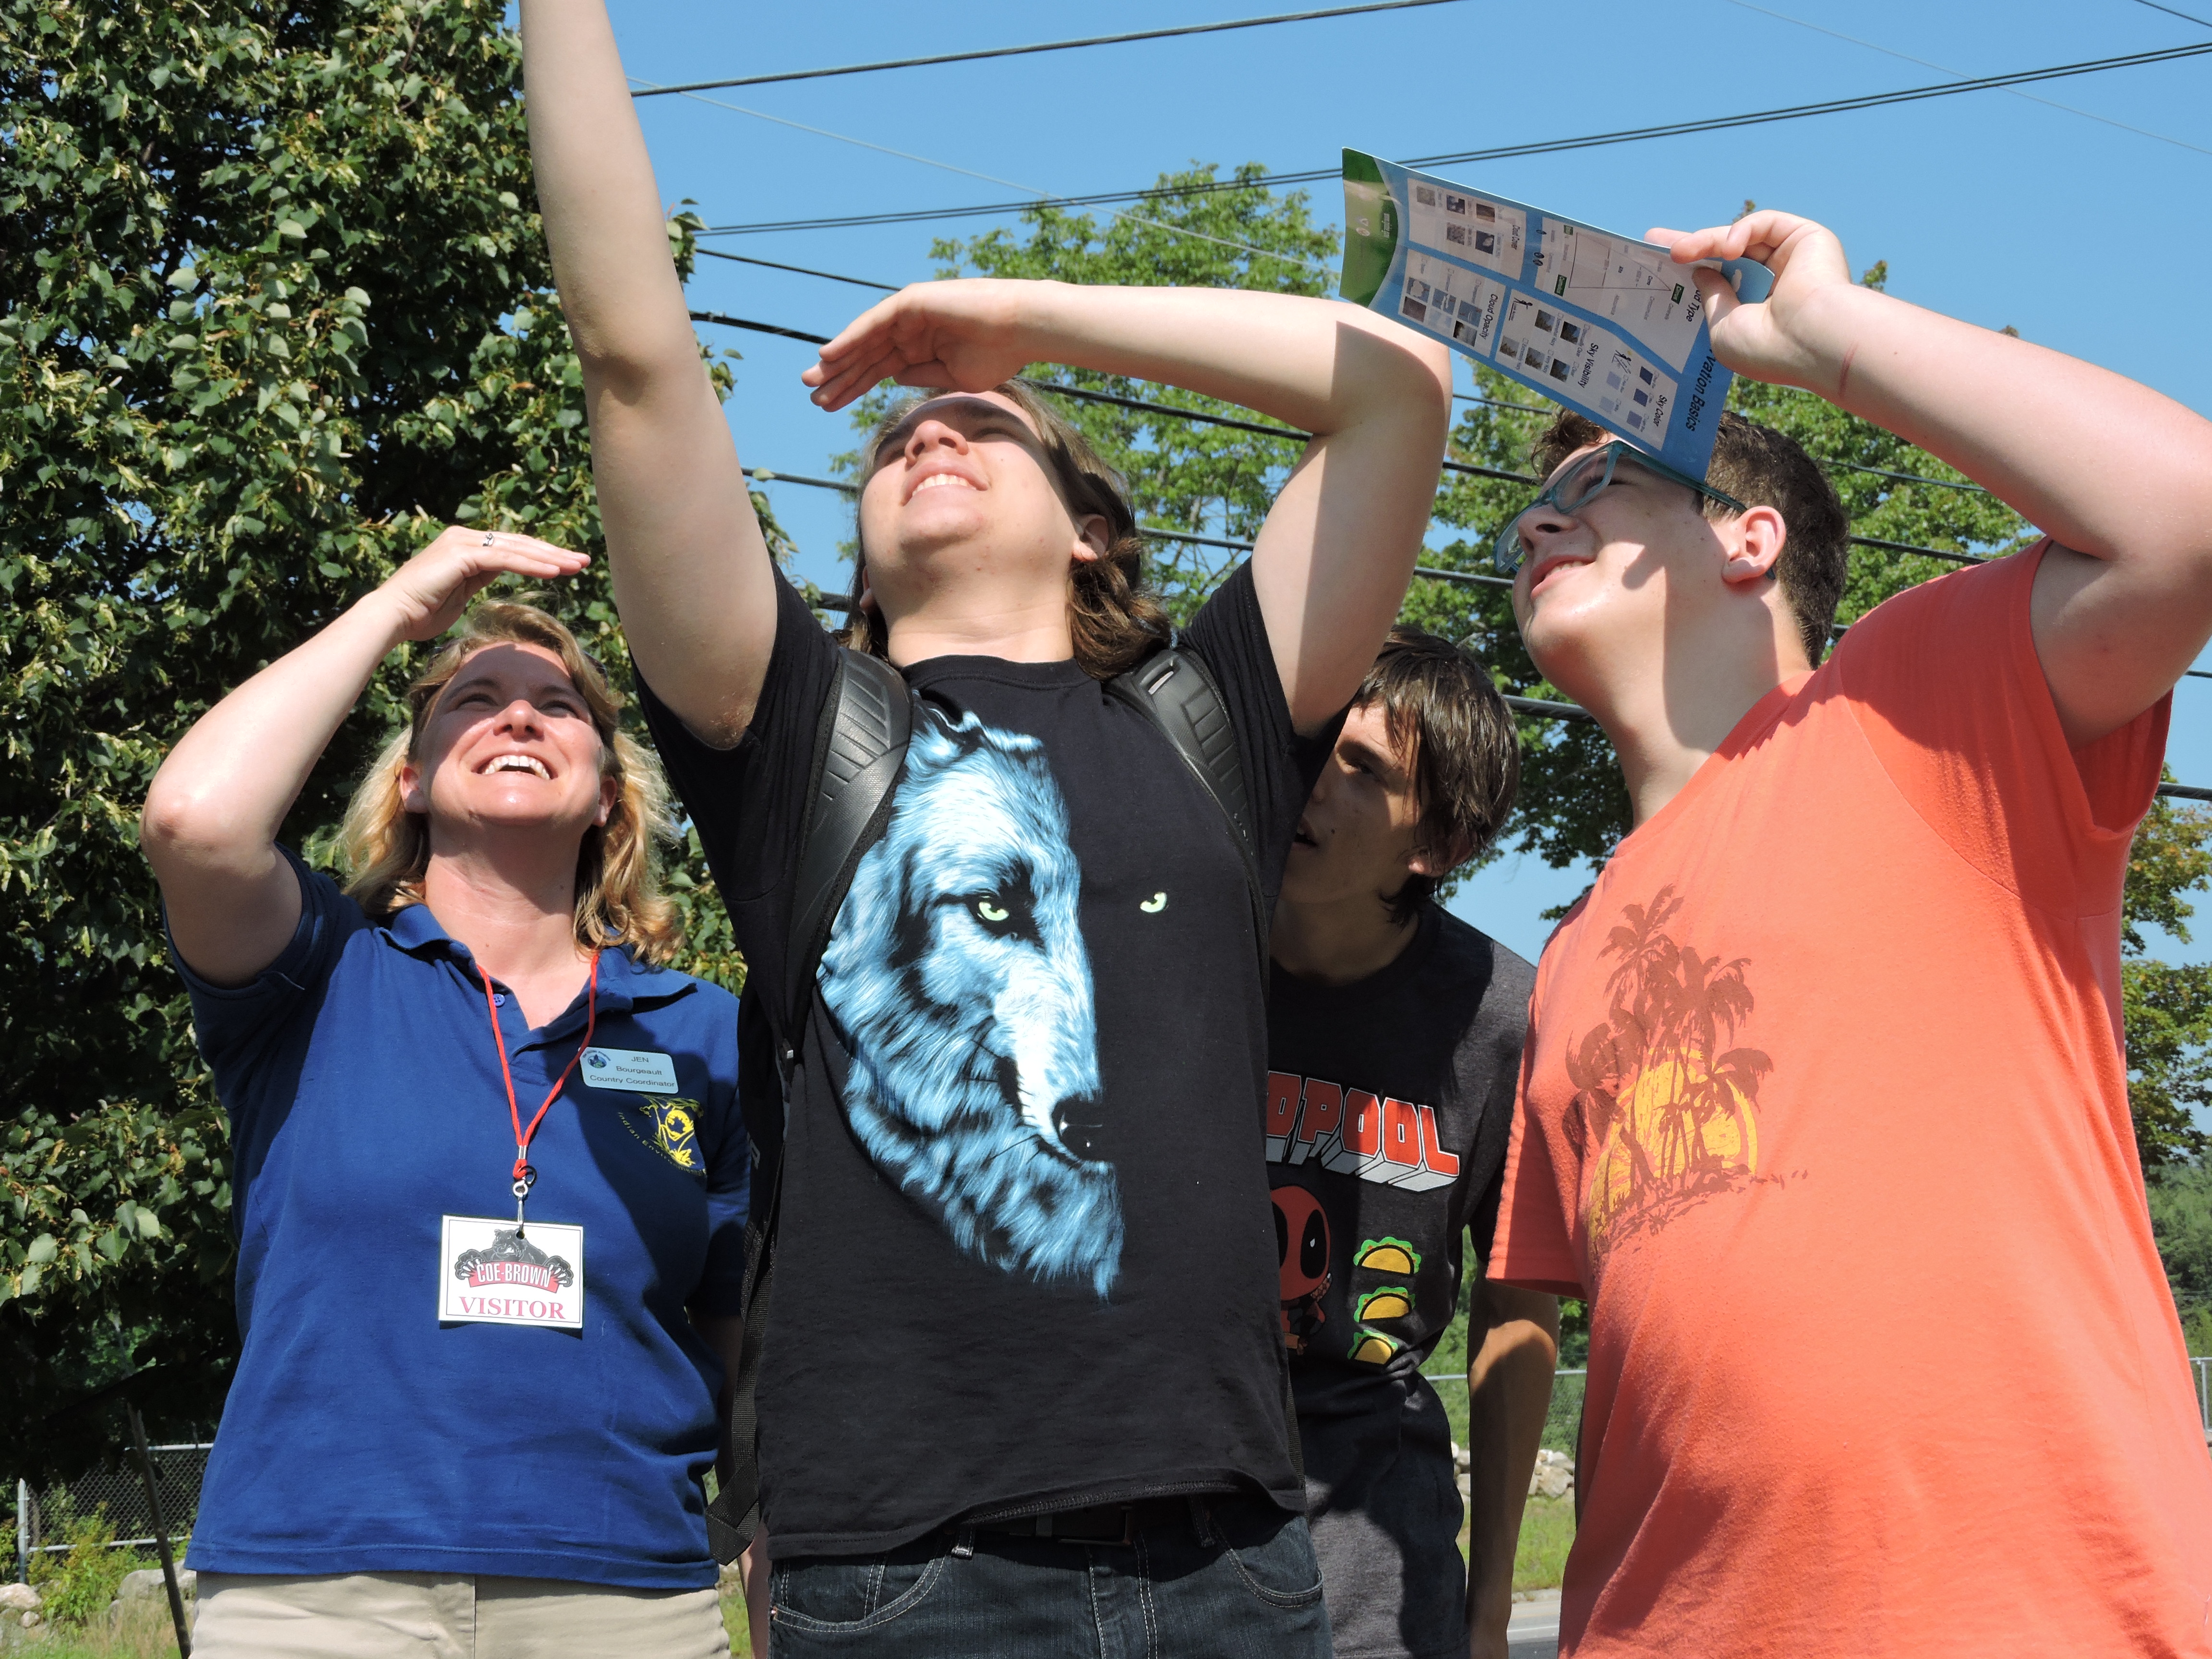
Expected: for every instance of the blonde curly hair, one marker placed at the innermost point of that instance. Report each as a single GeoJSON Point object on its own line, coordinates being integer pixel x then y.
{"type": "Point", "coordinates": [618, 897]}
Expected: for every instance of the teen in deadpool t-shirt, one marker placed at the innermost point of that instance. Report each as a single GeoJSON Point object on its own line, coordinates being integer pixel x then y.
{"type": "Point", "coordinates": [1395, 1034]}
{"type": "Point", "coordinates": [1023, 1264]}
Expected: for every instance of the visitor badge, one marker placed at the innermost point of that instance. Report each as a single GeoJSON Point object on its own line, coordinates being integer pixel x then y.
{"type": "Point", "coordinates": [496, 1273]}
{"type": "Point", "coordinates": [638, 1069]}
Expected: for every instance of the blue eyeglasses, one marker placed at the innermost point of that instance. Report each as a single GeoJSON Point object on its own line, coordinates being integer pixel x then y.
{"type": "Point", "coordinates": [1579, 485]}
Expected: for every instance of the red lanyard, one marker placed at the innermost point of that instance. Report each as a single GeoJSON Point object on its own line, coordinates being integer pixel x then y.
{"type": "Point", "coordinates": [524, 1175]}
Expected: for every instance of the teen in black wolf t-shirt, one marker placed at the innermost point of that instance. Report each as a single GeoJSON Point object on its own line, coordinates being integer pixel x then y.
{"type": "Point", "coordinates": [1395, 1044]}
{"type": "Point", "coordinates": [1023, 1389]}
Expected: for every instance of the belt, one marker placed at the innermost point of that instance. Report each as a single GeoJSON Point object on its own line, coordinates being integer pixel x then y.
{"type": "Point", "coordinates": [1107, 1523]}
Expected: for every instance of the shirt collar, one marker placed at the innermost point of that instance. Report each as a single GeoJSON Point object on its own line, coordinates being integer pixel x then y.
{"type": "Point", "coordinates": [625, 984]}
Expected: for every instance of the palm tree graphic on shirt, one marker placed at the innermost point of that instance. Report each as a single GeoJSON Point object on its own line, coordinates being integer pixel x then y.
{"type": "Point", "coordinates": [1666, 1102]}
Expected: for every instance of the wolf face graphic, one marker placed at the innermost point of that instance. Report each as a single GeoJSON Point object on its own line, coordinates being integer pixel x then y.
{"type": "Point", "coordinates": [957, 974]}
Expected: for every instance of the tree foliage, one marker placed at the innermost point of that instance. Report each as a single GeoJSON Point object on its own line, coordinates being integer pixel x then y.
{"type": "Point", "coordinates": [2181, 1218]}
{"type": "Point", "coordinates": [275, 307]}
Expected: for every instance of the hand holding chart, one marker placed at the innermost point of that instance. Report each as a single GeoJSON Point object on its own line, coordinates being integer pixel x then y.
{"type": "Point", "coordinates": [1803, 258]}
{"type": "Point", "coordinates": [1605, 324]}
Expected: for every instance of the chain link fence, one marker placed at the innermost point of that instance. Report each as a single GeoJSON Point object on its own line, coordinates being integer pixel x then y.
{"type": "Point", "coordinates": [117, 1493]}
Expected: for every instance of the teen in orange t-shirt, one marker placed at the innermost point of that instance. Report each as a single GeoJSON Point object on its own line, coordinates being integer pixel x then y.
{"type": "Point", "coordinates": [1823, 1106]}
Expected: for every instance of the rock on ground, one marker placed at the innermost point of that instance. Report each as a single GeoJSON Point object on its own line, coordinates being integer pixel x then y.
{"type": "Point", "coordinates": [1553, 1475]}
{"type": "Point", "coordinates": [18, 1598]}
{"type": "Point", "coordinates": [146, 1585]}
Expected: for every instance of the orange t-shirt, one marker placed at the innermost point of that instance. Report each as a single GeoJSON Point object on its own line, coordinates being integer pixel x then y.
{"type": "Point", "coordinates": [1824, 1110]}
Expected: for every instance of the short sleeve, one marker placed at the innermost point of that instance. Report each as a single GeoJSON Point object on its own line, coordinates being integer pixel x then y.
{"type": "Point", "coordinates": [1945, 682]}
{"type": "Point", "coordinates": [1230, 634]}
{"type": "Point", "coordinates": [1534, 1243]}
{"type": "Point", "coordinates": [748, 801]}
{"type": "Point", "coordinates": [237, 1026]}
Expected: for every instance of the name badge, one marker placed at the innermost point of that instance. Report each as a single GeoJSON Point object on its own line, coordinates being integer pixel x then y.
{"type": "Point", "coordinates": [640, 1071]}
{"type": "Point", "coordinates": [492, 1272]}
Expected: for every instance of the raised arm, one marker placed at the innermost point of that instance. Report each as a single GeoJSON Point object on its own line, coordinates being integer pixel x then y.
{"type": "Point", "coordinates": [2118, 474]}
{"type": "Point", "coordinates": [692, 576]}
{"type": "Point", "coordinates": [1339, 545]}
{"type": "Point", "coordinates": [212, 818]}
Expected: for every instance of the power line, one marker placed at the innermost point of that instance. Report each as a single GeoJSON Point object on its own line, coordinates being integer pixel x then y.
{"type": "Point", "coordinates": [757, 328]}
{"type": "Point", "coordinates": [1043, 45]}
{"type": "Point", "coordinates": [1457, 396]}
{"type": "Point", "coordinates": [1467, 468]}
{"type": "Point", "coordinates": [2170, 12]}
{"type": "Point", "coordinates": [1906, 57]}
{"type": "Point", "coordinates": [1505, 152]}
{"type": "Point", "coordinates": [1435, 573]}
{"type": "Point", "coordinates": [1543, 708]}
{"type": "Point", "coordinates": [826, 275]}
{"type": "Point", "coordinates": [989, 178]}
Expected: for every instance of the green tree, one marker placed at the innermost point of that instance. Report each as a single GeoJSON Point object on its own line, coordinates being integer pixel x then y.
{"type": "Point", "coordinates": [2168, 1010]}
{"type": "Point", "coordinates": [274, 308]}
{"type": "Point", "coordinates": [2181, 1218]}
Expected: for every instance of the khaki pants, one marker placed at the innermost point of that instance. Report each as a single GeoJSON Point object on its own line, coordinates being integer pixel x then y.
{"type": "Point", "coordinates": [424, 1615]}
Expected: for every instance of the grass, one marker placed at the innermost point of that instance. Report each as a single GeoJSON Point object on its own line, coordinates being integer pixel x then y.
{"type": "Point", "coordinates": [1547, 1525]}
{"type": "Point", "coordinates": [141, 1630]}
{"type": "Point", "coordinates": [733, 1620]}
{"type": "Point", "coordinates": [138, 1630]}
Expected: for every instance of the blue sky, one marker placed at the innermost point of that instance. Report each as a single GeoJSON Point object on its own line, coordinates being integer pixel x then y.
{"type": "Point", "coordinates": [2086, 235]}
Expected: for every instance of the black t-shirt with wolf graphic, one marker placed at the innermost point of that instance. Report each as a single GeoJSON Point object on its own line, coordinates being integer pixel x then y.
{"type": "Point", "coordinates": [1025, 1258]}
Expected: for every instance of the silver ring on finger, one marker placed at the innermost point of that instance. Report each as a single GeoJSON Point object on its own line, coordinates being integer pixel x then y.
{"type": "Point", "coordinates": [487, 540]}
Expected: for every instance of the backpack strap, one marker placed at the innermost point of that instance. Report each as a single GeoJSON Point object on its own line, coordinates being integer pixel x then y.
{"type": "Point", "coordinates": [858, 747]}
{"type": "Point", "coordinates": [1173, 688]}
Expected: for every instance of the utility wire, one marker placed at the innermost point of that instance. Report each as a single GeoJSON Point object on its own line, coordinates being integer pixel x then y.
{"type": "Point", "coordinates": [1904, 56]}
{"type": "Point", "coordinates": [1467, 468]}
{"type": "Point", "coordinates": [1543, 708]}
{"type": "Point", "coordinates": [757, 328]}
{"type": "Point", "coordinates": [1457, 396]}
{"type": "Point", "coordinates": [1435, 573]}
{"type": "Point", "coordinates": [989, 178]}
{"type": "Point", "coordinates": [2170, 12]}
{"type": "Point", "coordinates": [826, 275]}
{"type": "Point", "coordinates": [1043, 45]}
{"type": "Point", "coordinates": [1503, 152]}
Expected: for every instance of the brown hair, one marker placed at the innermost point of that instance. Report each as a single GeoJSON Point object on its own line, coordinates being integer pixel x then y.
{"type": "Point", "coordinates": [1760, 467]}
{"type": "Point", "coordinates": [1115, 619]}
{"type": "Point", "coordinates": [618, 897]}
{"type": "Point", "coordinates": [1456, 738]}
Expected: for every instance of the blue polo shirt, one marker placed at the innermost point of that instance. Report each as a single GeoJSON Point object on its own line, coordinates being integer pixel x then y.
{"type": "Point", "coordinates": [366, 1102]}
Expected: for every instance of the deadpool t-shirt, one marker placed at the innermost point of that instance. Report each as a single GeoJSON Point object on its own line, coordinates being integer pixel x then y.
{"type": "Point", "coordinates": [1389, 1104]}
{"type": "Point", "coordinates": [1023, 1261]}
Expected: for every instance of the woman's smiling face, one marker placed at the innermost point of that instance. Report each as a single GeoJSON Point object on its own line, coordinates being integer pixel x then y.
{"type": "Point", "coordinates": [511, 744]}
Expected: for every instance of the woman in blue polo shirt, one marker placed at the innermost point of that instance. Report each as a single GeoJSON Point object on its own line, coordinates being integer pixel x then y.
{"type": "Point", "coordinates": [490, 1171]}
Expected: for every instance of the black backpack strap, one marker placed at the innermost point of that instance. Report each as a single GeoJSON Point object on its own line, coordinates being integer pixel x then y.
{"type": "Point", "coordinates": [857, 750]}
{"type": "Point", "coordinates": [734, 1516]}
{"type": "Point", "coordinates": [1173, 688]}
{"type": "Point", "coordinates": [858, 747]}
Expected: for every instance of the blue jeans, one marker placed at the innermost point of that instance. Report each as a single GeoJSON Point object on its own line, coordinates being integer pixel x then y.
{"type": "Point", "coordinates": [1226, 1576]}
